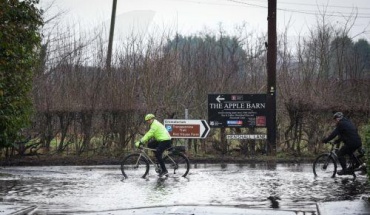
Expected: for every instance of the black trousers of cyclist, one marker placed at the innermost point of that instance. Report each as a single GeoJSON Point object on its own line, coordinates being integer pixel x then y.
{"type": "Point", "coordinates": [345, 150]}
{"type": "Point", "coordinates": [160, 146]}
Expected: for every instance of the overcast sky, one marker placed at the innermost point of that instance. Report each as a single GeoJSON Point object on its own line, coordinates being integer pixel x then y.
{"type": "Point", "coordinates": [193, 16]}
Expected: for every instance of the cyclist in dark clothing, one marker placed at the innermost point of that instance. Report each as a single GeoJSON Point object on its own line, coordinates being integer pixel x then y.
{"type": "Point", "coordinates": [347, 133]}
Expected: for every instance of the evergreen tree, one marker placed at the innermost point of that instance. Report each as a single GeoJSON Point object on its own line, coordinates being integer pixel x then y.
{"type": "Point", "coordinates": [19, 42]}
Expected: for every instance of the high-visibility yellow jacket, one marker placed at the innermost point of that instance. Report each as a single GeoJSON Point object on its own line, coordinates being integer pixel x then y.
{"type": "Point", "coordinates": [156, 131]}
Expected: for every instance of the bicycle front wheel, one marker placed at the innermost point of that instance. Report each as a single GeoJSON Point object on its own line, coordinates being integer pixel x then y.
{"type": "Point", "coordinates": [178, 164]}
{"type": "Point", "coordinates": [325, 166]}
{"type": "Point", "coordinates": [134, 166]}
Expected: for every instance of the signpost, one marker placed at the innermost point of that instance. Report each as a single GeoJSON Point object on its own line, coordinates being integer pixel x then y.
{"type": "Point", "coordinates": [237, 110]}
{"type": "Point", "coordinates": [187, 128]}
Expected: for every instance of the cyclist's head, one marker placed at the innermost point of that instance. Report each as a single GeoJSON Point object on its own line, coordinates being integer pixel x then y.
{"type": "Point", "coordinates": [149, 117]}
{"type": "Point", "coordinates": [338, 115]}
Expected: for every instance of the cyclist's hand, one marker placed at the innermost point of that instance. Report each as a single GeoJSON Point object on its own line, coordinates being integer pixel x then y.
{"type": "Point", "coordinates": [138, 143]}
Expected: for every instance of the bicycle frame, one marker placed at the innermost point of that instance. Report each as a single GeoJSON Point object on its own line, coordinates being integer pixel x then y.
{"type": "Point", "coordinates": [142, 150]}
{"type": "Point", "coordinates": [352, 158]}
{"type": "Point", "coordinates": [173, 157]}
{"type": "Point", "coordinates": [145, 155]}
{"type": "Point", "coordinates": [332, 157]}
{"type": "Point", "coordinates": [333, 150]}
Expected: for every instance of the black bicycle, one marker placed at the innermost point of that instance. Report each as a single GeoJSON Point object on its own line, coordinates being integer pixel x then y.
{"type": "Point", "coordinates": [138, 164]}
{"type": "Point", "coordinates": [325, 165]}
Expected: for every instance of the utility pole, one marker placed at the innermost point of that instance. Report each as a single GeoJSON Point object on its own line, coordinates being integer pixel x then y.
{"type": "Point", "coordinates": [111, 33]}
{"type": "Point", "coordinates": [271, 78]}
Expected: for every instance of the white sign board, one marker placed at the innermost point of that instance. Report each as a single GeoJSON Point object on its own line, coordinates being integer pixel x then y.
{"type": "Point", "coordinates": [187, 128]}
{"type": "Point", "coordinates": [247, 136]}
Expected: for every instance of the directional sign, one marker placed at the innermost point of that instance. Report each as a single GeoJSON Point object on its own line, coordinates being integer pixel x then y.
{"type": "Point", "coordinates": [237, 110]}
{"type": "Point", "coordinates": [187, 128]}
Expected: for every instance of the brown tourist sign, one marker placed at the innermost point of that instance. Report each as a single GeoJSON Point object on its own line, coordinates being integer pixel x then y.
{"type": "Point", "coordinates": [187, 128]}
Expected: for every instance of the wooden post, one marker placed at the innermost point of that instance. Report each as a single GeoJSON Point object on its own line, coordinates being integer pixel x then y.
{"type": "Point", "coordinates": [271, 78]}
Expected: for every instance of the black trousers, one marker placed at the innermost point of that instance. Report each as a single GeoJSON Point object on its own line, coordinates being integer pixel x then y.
{"type": "Point", "coordinates": [345, 150]}
{"type": "Point", "coordinates": [160, 146]}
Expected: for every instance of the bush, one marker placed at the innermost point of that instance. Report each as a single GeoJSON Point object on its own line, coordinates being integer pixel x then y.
{"type": "Point", "coordinates": [367, 147]}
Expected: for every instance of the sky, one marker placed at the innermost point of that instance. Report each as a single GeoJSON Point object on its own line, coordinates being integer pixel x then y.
{"type": "Point", "coordinates": [193, 16]}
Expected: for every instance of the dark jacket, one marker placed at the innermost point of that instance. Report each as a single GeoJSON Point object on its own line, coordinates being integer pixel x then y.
{"type": "Point", "coordinates": [347, 133]}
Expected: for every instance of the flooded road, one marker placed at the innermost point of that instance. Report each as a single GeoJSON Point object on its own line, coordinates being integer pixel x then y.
{"type": "Point", "coordinates": [80, 189]}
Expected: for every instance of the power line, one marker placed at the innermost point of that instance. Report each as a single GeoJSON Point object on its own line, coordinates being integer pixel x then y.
{"type": "Point", "coordinates": [265, 1]}
{"type": "Point", "coordinates": [307, 12]}
{"type": "Point", "coordinates": [315, 5]}
{"type": "Point", "coordinates": [332, 14]}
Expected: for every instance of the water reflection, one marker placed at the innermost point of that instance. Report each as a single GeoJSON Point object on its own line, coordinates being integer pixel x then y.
{"type": "Point", "coordinates": [271, 165]}
{"type": "Point", "coordinates": [252, 165]}
{"type": "Point", "coordinates": [268, 185]}
{"type": "Point", "coordinates": [350, 189]}
{"type": "Point", "coordinates": [274, 201]}
{"type": "Point", "coordinates": [7, 186]}
{"type": "Point", "coordinates": [159, 191]}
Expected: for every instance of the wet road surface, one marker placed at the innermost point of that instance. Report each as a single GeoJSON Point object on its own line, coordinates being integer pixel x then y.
{"type": "Point", "coordinates": [82, 189]}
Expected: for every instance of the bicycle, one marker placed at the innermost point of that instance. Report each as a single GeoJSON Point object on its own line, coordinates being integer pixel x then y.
{"type": "Point", "coordinates": [138, 164]}
{"type": "Point", "coordinates": [325, 165]}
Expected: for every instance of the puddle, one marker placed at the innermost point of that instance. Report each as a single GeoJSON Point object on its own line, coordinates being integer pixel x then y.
{"type": "Point", "coordinates": [102, 188]}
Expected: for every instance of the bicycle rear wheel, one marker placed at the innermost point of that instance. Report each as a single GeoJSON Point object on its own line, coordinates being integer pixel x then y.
{"type": "Point", "coordinates": [134, 166]}
{"type": "Point", "coordinates": [325, 166]}
{"type": "Point", "coordinates": [177, 163]}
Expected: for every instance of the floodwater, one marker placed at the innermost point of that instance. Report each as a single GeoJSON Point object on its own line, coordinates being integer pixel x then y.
{"type": "Point", "coordinates": [82, 189]}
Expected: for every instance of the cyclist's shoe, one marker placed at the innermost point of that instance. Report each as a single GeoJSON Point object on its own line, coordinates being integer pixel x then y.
{"type": "Point", "coordinates": [163, 173]}
{"type": "Point", "coordinates": [340, 172]}
{"type": "Point", "coordinates": [362, 167]}
{"type": "Point", "coordinates": [344, 172]}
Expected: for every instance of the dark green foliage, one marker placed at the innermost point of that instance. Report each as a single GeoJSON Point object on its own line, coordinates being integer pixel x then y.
{"type": "Point", "coordinates": [19, 42]}
{"type": "Point", "coordinates": [362, 53]}
{"type": "Point", "coordinates": [350, 59]}
{"type": "Point", "coordinates": [225, 50]}
{"type": "Point", "coordinates": [366, 145]}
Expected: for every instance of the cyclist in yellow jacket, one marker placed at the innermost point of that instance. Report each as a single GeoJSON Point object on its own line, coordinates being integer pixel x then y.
{"type": "Point", "coordinates": [161, 140]}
